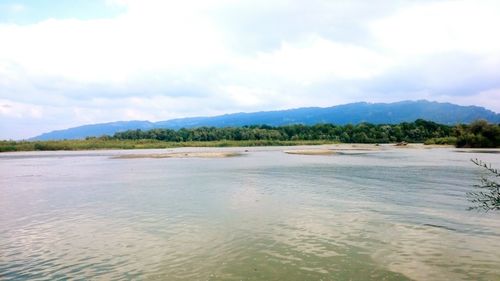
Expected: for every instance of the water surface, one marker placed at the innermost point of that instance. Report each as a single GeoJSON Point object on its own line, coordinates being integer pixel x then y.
{"type": "Point", "coordinates": [398, 214]}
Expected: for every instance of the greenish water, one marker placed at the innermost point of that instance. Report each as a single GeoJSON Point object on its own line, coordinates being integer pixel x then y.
{"type": "Point", "coordinates": [398, 214]}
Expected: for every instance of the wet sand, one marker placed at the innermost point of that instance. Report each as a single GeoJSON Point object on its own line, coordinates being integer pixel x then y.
{"type": "Point", "coordinates": [209, 154]}
{"type": "Point", "coordinates": [316, 150]}
{"type": "Point", "coordinates": [337, 149]}
{"type": "Point", "coordinates": [311, 152]}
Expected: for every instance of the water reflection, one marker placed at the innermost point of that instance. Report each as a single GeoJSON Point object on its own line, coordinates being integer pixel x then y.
{"type": "Point", "coordinates": [269, 216]}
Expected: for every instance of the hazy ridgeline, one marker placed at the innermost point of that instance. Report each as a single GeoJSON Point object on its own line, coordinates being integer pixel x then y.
{"type": "Point", "coordinates": [478, 134]}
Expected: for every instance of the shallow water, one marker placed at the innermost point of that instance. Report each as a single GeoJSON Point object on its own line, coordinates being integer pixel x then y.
{"type": "Point", "coordinates": [398, 214]}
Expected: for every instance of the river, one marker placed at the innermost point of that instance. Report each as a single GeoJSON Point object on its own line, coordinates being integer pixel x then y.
{"type": "Point", "coordinates": [393, 214]}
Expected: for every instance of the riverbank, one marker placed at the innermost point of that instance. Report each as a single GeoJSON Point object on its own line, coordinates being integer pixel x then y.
{"type": "Point", "coordinates": [111, 144]}
{"type": "Point", "coordinates": [206, 154]}
{"type": "Point", "coordinates": [103, 144]}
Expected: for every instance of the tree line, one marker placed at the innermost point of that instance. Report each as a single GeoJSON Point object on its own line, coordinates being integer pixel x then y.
{"type": "Point", "coordinates": [477, 134]}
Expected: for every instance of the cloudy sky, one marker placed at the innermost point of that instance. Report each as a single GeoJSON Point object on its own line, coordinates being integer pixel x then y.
{"type": "Point", "coordinates": [68, 63]}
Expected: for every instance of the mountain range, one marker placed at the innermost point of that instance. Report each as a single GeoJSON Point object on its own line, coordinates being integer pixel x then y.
{"type": "Point", "coordinates": [353, 113]}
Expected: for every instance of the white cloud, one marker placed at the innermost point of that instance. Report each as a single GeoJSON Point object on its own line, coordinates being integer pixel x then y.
{"type": "Point", "coordinates": [111, 51]}
{"type": "Point", "coordinates": [17, 8]}
{"type": "Point", "coordinates": [445, 26]}
{"type": "Point", "coordinates": [12, 109]}
{"type": "Point", "coordinates": [167, 59]}
{"type": "Point", "coordinates": [489, 98]}
{"type": "Point", "coordinates": [247, 97]}
{"type": "Point", "coordinates": [317, 59]}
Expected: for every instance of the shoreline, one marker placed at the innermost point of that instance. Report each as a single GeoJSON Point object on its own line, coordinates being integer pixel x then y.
{"type": "Point", "coordinates": [207, 154]}
{"type": "Point", "coordinates": [96, 145]}
{"type": "Point", "coordinates": [85, 145]}
{"type": "Point", "coordinates": [214, 150]}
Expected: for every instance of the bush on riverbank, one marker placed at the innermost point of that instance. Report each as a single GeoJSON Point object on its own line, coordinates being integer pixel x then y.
{"type": "Point", "coordinates": [479, 134]}
{"type": "Point", "coordinates": [442, 141]}
{"type": "Point", "coordinates": [486, 194]}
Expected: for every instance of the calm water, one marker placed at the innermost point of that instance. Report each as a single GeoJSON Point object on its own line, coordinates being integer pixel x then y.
{"type": "Point", "coordinates": [393, 215]}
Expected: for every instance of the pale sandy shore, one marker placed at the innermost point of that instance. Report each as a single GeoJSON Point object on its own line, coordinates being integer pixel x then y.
{"type": "Point", "coordinates": [208, 154]}
{"type": "Point", "coordinates": [347, 148]}
{"type": "Point", "coordinates": [477, 150]}
{"type": "Point", "coordinates": [422, 146]}
{"type": "Point", "coordinates": [311, 152]}
{"type": "Point", "coordinates": [336, 149]}
{"type": "Point", "coordinates": [227, 152]}
{"type": "Point", "coordinates": [320, 150]}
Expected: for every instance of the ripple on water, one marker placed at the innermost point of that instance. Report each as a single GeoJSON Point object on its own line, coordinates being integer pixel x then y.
{"type": "Point", "coordinates": [267, 216]}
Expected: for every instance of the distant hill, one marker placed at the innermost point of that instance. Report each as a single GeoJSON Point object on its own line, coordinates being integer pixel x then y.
{"type": "Point", "coordinates": [354, 113]}
{"type": "Point", "coordinates": [82, 132]}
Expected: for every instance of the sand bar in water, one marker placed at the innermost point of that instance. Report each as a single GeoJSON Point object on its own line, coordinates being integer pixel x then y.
{"type": "Point", "coordinates": [311, 152]}
{"type": "Point", "coordinates": [180, 155]}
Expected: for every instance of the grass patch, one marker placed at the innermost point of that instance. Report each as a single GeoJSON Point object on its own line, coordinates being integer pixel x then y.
{"type": "Point", "coordinates": [100, 144]}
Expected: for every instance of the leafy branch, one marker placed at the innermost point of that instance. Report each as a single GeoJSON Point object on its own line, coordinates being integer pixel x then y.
{"type": "Point", "coordinates": [487, 196]}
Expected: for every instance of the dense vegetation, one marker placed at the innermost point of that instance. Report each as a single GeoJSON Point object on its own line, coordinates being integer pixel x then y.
{"type": "Point", "coordinates": [477, 134]}
{"type": "Point", "coordinates": [418, 131]}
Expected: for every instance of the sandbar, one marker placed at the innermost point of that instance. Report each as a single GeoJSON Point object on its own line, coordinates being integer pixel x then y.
{"type": "Point", "coordinates": [311, 152]}
{"type": "Point", "coordinates": [179, 155]}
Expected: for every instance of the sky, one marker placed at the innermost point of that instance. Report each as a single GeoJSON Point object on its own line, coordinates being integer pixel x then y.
{"type": "Point", "coordinates": [69, 63]}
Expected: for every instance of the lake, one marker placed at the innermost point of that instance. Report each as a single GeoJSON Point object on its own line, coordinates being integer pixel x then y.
{"type": "Point", "coordinates": [394, 214]}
